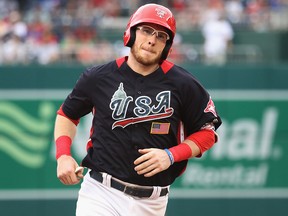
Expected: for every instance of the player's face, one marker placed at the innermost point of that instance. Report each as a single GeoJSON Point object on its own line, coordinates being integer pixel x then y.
{"type": "Point", "coordinates": [149, 44]}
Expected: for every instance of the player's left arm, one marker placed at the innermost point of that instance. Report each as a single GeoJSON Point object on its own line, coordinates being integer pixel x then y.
{"type": "Point", "coordinates": [153, 160]}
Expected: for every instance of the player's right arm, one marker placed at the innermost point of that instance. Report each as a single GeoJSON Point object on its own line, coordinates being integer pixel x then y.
{"type": "Point", "coordinates": [76, 105]}
{"type": "Point", "coordinates": [64, 133]}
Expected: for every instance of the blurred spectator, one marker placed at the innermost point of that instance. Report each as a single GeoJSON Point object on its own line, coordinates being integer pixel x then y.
{"type": "Point", "coordinates": [43, 44]}
{"type": "Point", "coordinates": [18, 27]}
{"type": "Point", "coordinates": [212, 11]}
{"type": "Point", "coordinates": [14, 51]}
{"type": "Point", "coordinates": [48, 51]}
{"type": "Point", "coordinates": [234, 10]}
{"type": "Point", "coordinates": [218, 35]}
{"type": "Point", "coordinates": [258, 14]}
{"type": "Point", "coordinates": [14, 32]}
{"type": "Point", "coordinates": [13, 25]}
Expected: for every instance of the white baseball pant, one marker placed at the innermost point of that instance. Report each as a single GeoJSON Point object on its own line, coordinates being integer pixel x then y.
{"type": "Point", "coordinates": [99, 199]}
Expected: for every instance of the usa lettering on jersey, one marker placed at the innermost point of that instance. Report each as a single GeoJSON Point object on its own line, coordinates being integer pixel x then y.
{"type": "Point", "coordinates": [143, 110]}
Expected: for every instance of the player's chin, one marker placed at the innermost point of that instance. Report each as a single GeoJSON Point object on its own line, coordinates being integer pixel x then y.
{"type": "Point", "coordinates": [150, 58]}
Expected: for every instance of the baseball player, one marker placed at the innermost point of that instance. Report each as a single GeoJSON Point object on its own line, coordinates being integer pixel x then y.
{"type": "Point", "coordinates": [149, 117]}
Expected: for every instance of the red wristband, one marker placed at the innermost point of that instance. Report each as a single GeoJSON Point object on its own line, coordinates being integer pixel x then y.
{"type": "Point", "coordinates": [181, 152]}
{"type": "Point", "coordinates": [63, 145]}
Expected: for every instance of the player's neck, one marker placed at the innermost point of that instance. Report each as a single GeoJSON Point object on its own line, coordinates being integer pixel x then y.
{"type": "Point", "coordinates": [139, 68]}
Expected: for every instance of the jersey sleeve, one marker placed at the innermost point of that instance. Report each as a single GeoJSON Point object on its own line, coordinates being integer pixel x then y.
{"type": "Point", "coordinates": [78, 103]}
{"type": "Point", "coordinates": [198, 108]}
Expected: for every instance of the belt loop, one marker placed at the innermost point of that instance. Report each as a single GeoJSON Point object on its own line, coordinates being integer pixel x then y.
{"type": "Point", "coordinates": [105, 182]}
{"type": "Point", "coordinates": [156, 192]}
{"type": "Point", "coordinates": [108, 179]}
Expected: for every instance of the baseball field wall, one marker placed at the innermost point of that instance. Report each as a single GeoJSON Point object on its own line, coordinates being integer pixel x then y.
{"type": "Point", "coordinates": [245, 174]}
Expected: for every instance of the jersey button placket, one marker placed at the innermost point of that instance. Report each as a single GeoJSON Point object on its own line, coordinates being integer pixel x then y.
{"type": "Point", "coordinates": [138, 92]}
{"type": "Point", "coordinates": [140, 82]}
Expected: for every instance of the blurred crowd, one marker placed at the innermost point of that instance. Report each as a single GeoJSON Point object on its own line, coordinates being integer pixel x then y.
{"type": "Point", "coordinates": [51, 31]}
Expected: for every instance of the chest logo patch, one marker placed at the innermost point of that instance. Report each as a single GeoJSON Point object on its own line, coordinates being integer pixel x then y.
{"type": "Point", "coordinates": [143, 110]}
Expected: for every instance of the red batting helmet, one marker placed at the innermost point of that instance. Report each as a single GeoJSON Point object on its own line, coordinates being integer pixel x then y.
{"type": "Point", "coordinates": [151, 13]}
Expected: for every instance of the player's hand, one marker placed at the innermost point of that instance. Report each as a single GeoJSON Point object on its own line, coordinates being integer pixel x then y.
{"type": "Point", "coordinates": [66, 167]}
{"type": "Point", "coordinates": [151, 162]}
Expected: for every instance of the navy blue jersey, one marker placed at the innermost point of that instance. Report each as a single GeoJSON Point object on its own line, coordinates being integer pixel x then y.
{"type": "Point", "coordinates": [133, 112]}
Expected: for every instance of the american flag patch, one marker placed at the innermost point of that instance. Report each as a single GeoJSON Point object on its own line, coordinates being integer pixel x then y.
{"type": "Point", "coordinates": [159, 128]}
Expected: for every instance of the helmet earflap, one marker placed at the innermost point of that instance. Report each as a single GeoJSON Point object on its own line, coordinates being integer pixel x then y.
{"type": "Point", "coordinates": [166, 51]}
{"type": "Point", "coordinates": [151, 13]}
{"type": "Point", "coordinates": [129, 37]}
